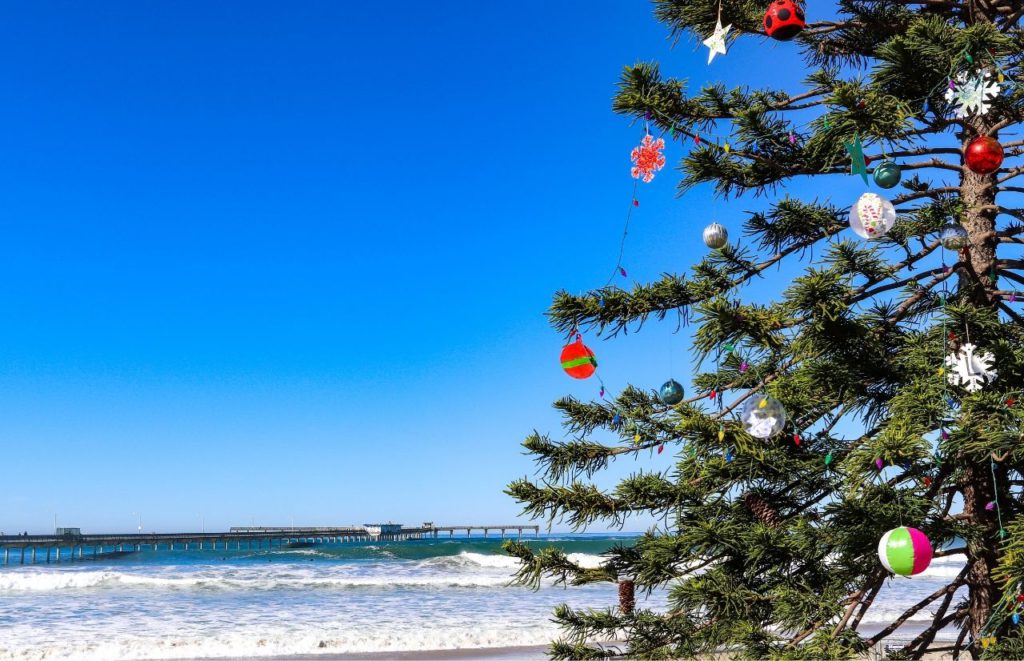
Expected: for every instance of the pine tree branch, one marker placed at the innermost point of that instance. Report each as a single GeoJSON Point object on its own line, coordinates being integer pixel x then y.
{"type": "Point", "coordinates": [796, 640]}
{"type": "Point", "coordinates": [932, 193]}
{"type": "Point", "coordinates": [876, 586]}
{"type": "Point", "coordinates": [672, 294]}
{"type": "Point", "coordinates": [1011, 173]}
{"type": "Point", "coordinates": [952, 587]}
{"type": "Point", "coordinates": [964, 630]}
{"type": "Point", "coordinates": [950, 496]}
{"type": "Point", "coordinates": [1010, 312]}
{"type": "Point", "coordinates": [920, 151]}
{"type": "Point", "coordinates": [926, 637]}
{"type": "Point", "coordinates": [1014, 17]}
{"type": "Point", "coordinates": [896, 285]}
{"type": "Point", "coordinates": [826, 27]}
{"type": "Point", "coordinates": [1002, 124]}
{"type": "Point", "coordinates": [934, 163]}
{"type": "Point", "coordinates": [752, 391]}
{"type": "Point", "coordinates": [905, 307]}
{"type": "Point", "coordinates": [948, 4]}
{"type": "Point", "coordinates": [1010, 275]}
{"type": "Point", "coordinates": [849, 612]}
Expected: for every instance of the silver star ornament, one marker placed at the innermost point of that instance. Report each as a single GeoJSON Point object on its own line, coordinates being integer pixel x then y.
{"type": "Point", "coordinates": [716, 42]}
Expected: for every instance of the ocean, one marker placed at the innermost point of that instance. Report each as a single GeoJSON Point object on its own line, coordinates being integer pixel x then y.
{"type": "Point", "coordinates": [384, 597]}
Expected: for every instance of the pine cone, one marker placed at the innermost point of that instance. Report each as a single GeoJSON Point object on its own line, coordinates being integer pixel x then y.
{"type": "Point", "coordinates": [760, 508]}
{"type": "Point", "coordinates": [627, 596]}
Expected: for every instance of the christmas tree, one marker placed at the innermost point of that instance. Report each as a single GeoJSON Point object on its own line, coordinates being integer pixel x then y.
{"type": "Point", "coordinates": [881, 388]}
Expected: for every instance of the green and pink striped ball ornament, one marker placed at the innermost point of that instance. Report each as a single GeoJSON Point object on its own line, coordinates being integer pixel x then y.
{"type": "Point", "coordinates": [905, 551]}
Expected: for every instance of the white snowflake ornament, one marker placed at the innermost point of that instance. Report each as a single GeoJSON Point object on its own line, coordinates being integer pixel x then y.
{"type": "Point", "coordinates": [970, 369]}
{"type": "Point", "coordinates": [972, 93]}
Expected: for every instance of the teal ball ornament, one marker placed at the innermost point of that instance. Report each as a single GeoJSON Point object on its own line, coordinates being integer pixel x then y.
{"type": "Point", "coordinates": [888, 174]}
{"type": "Point", "coordinates": [671, 392]}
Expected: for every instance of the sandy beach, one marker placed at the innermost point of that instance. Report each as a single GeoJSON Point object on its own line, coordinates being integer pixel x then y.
{"type": "Point", "coordinates": [530, 652]}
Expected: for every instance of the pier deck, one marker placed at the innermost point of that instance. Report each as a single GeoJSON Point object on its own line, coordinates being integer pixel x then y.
{"type": "Point", "coordinates": [75, 547]}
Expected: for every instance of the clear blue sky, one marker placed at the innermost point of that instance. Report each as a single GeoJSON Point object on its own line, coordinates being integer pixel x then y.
{"type": "Point", "coordinates": [263, 259]}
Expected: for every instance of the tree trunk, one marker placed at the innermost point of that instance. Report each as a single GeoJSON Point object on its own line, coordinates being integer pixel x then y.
{"type": "Point", "coordinates": [977, 282]}
{"type": "Point", "coordinates": [978, 195]}
{"type": "Point", "coordinates": [627, 596]}
{"type": "Point", "coordinates": [983, 594]}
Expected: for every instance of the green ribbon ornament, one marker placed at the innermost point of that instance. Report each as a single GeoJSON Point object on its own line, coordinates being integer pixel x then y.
{"type": "Point", "coordinates": [856, 150]}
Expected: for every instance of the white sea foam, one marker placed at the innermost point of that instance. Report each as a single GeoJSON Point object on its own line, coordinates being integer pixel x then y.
{"type": "Point", "coordinates": [468, 558]}
{"type": "Point", "coordinates": [946, 567]}
{"type": "Point", "coordinates": [586, 560]}
{"type": "Point", "coordinates": [79, 580]}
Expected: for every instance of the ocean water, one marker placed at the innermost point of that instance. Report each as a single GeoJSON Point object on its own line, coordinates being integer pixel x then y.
{"type": "Point", "coordinates": [338, 598]}
{"type": "Point", "coordinates": [333, 598]}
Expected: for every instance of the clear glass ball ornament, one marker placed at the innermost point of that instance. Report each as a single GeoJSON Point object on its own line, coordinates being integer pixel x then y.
{"type": "Point", "coordinates": [763, 416]}
{"type": "Point", "coordinates": [954, 237]}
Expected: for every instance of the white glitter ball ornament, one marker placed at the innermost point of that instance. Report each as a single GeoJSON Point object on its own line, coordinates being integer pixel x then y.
{"type": "Point", "coordinates": [873, 216]}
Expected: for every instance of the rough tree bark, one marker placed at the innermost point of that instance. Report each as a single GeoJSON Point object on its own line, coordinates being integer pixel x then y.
{"type": "Point", "coordinates": [978, 282]}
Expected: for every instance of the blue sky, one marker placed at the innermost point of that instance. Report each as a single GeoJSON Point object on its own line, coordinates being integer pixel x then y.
{"type": "Point", "coordinates": [266, 260]}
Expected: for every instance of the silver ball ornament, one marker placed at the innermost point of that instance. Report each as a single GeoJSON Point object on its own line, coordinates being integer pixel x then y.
{"type": "Point", "coordinates": [763, 416]}
{"type": "Point", "coordinates": [715, 236]}
{"type": "Point", "coordinates": [954, 237]}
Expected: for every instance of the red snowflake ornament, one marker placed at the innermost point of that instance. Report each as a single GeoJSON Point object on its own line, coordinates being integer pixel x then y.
{"type": "Point", "coordinates": [647, 158]}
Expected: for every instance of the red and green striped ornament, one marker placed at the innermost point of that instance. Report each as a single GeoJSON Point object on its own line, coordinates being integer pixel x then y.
{"type": "Point", "coordinates": [905, 551]}
{"type": "Point", "coordinates": [578, 360]}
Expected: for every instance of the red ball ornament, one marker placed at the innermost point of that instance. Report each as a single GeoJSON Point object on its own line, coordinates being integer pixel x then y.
{"type": "Point", "coordinates": [984, 155]}
{"type": "Point", "coordinates": [783, 20]}
{"type": "Point", "coordinates": [578, 360]}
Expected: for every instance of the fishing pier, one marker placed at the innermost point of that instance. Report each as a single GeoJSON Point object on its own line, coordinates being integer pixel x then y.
{"type": "Point", "coordinates": [71, 545]}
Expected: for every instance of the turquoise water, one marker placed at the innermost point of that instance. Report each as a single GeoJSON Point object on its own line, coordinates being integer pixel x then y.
{"type": "Point", "coordinates": [335, 598]}
{"type": "Point", "coordinates": [331, 598]}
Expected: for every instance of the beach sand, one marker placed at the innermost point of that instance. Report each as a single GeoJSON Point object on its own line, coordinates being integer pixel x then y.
{"type": "Point", "coordinates": [538, 652]}
{"type": "Point", "coordinates": [531, 653]}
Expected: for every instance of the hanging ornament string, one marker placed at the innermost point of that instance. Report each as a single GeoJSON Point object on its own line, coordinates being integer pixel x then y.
{"type": "Point", "coordinates": [619, 269]}
{"type": "Point", "coordinates": [995, 498]}
{"type": "Point", "coordinates": [648, 159]}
